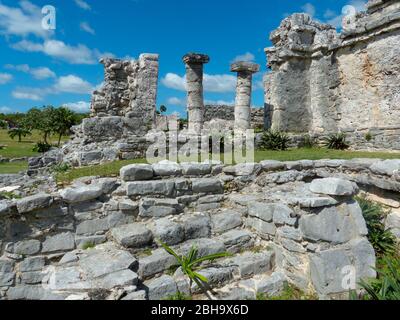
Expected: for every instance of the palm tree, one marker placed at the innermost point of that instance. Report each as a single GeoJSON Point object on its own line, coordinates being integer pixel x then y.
{"type": "Point", "coordinates": [19, 132]}
{"type": "Point", "coordinates": [190, 266]}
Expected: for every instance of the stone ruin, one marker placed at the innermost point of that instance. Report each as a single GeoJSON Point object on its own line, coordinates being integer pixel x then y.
{"type": "Point", "coordinates": [323, 82]}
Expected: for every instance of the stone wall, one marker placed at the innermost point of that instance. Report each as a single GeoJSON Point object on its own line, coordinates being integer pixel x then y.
{"type": "Point", "coordinates": [323, 82]}
{"type": "Point", "coordinates": [222, 112]}
{"type": "Point", "coordinates": [283, 222]}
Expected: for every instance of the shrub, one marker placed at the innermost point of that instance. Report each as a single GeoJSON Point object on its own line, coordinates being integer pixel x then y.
{"type": "Point", "coordinates": [336, 142]}
{"type": "Point", "coordinates": [61, 168]}
{"type": "Point", "coordinates": [368, 136]}
{"type": "Point", "coordinates": [179, 296]}
{"type": "Point", "coordinates": [382, 240]}
{"type": "Point", "coordinates": [274, 140]}
{"type": "Point", "coordinates": [42, 147]}
{"type": "Point", "coordinates": [387, 285]}
{"type": "Point", "coordinates": [309, 142]}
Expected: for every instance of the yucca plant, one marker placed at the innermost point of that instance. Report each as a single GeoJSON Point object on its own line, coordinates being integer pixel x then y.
{"type": "Point", "coordinates": [190, 265]}
{"type": "Point", "coordinates": [336, 142]}
{"type": "Point", "coordinates": [381, 239]}
{"type": "Point", "coordinates": [274, 140]}
{"type": "Point", "coordinates": [387, 286]}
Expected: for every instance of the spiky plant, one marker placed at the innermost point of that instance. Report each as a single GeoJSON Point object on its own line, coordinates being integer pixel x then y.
{"type": "Point", "coordinates": [336, 142]}
{"type": "Point", "coordinates": [274, 140]}
{"type": "Point", "coordinates": [191, 263]}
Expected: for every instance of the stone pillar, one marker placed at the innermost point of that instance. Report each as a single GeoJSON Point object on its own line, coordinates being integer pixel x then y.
{"type": "Point", "coordinates": [194, 78]}
{"type": "Point", "coordinates": [245, 71]}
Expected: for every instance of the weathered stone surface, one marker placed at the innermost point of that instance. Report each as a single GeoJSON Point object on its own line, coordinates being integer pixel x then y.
{"type": "Point", "coordinates": [196, 169]}
{"type": "Point", "coordinates": [135, 296]}
{"type": "Point", "coordinates": [59, 242]}
{"type": "Point", "coordinates": [387, 167]}
{"type": "Point", "coordinates": [155, 263]}
{"type": "Point", "coordinates": [197, 226]}
{"type": "Point", "coordinates": [161, 288]}
{"type": "Point", "coordinates": [7, 279]}
{"type": "Point", "coordinates": [165, 188]}
{"type": "Point", "coordinates": [81, 193]}
{"type": "Point", "coordinates": [168, 231]}
{"type": "Point", "coordinates": [158, 208]}
{"type": "Point", "coordinates": [134, 235]}
{"type": "Point", "coordinates": [207, 246]}
{"type": "Point", "coordinates": [226, 221]}
{"type": "Point", "coordinates": [35, 202]}
{"type": "Point", "coordinates": [104, 267]}
{"type": "Point", "coordinates": [28, 247]}
{"type": "Point", "coordinates": [260, 210]}
{"type": "Point", "coordinates": [335, 224]}
{"type": "Point", "coordinates": [329, 268]}
{"type": "Point", "coordinates": [264, 229]}
{"type": "Point", "coordinates": [272, 285]}
{"type": "Point", "coordinates": [251, 264]}
{"type": "Point", "coordinates": [35, 277]}
{"type": "Point", "coordinates": [216, 277]}
{"type": "Point", "coordinates": [6, 265]}
{"type": "Point", "coordinates": [236, 240]}
{"type": "Point", "coordinates": [32, 264]}
{"type": "Point", "coordinates": [92, 227]}
{"type": "Point", "coordinates": [137, 172]}
{"type": "Point", "coordinates": [207, 186]}
{"type": "Point", "coordinates": [333, 187]}
{"type": "Point", "coordinates": [243, 169]}
{"type": "Point", "coordinates": [290, 233]}
{"type": "Point", "coordinates": [272, 165]}
{"type": "Point", "coordinates": [167, 169]}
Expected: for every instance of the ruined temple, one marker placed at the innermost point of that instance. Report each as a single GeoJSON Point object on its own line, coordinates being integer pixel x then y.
{"type": "Point", "coordinates": [323, 82]}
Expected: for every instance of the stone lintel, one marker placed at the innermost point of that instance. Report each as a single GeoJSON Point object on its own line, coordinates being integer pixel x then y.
{"type": "Point", "coordinates": [243, 66]}
{"type": "Point", "coordinates": [196, 58]}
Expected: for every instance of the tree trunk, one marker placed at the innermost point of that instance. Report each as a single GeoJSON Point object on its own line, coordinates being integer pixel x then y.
{"type": "Point", "coordinates": [20, 138]}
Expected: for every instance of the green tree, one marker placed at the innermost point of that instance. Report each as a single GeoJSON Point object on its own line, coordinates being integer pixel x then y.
{"type": "Point", "coordinates": [19, 132]}
{"type": "Point", "coordinates": [163, 109]}
{"type": "Point", "coordinates": [41, 120]}
{"type": "Point", "coordinates": [62, 121]}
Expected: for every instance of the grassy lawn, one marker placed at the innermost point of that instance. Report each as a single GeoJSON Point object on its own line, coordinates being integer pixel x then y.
{"type": "Point", "coordinates": [16, 167]}
{"type": "Point", "coordinates": [112, 169]}
{"type": "Point", "coordinates": [15, 149]}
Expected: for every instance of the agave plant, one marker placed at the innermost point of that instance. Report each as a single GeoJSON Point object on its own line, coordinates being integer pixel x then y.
{"type": "Point", "coordinates": [387, 286]}
{"type": "Point", "coordinates": [190, 265]}
{"type": "Point", "coordinates": [336, 142]}
{"type": "Point", "coordinates": [274, 140]}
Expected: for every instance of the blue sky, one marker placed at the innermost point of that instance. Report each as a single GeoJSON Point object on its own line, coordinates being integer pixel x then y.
{"type": "Point", "coordinates": [40, 67]}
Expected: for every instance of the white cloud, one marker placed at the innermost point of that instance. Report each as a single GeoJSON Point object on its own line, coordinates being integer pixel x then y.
{"type": "Point", "coordinates": [65, 84]}
{"type": "Point", "coordinates": [80, 106]}
{"type": "Point", "coordinates": [174, 81]}
{"type": "Point", "coordinates": [219, 102]}
{"type": "Point", "coordinates": [28, 94]}
{"type": "Point", "coordinates": [79, 54]}
{"type": "Point", "coordinates": [5, 78]}
{"type": "Point", "coordinates": [39, 73]}
{"type": "Point", "coordinates": [73, 84]}
{"type": "Point", "coordinates": [83, 4]}
{"type": "Point", "coordinates": [4, 109]}
{"type": "Point", "coordinates": [248, 57]}
{"type": "Point", "coordinates": [309, 9]}
{"type": "Point", "coordinates": [335, 19]}
{"type": "Point", "coordinates": [177, 101]}
{"type": "Point", "coordinates": [212, 83]}
{"type": "Point", "coordinates": [22, 21]}
{"type": "Point", "coordinates": [85, 26]}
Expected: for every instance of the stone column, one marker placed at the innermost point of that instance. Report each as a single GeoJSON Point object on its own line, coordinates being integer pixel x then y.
{"type": "Point", "coordinates": [194, 78]}
{"type": "Point", "coordinates": [245, 71]}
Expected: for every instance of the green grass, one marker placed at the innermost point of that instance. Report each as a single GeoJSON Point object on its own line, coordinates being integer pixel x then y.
{"type": "Point", "coordinates": [113, 168]}
{"type": "Point", "coordinates": [104, 170]}
{"type": "Point", "coordinates": [320, 153]}
{"type": "Point", "coordinates": [15, 149]}
{"type": "Point", "coordinates": [16, 167]}
{"type": "Point", "coordinates": [290, 293]}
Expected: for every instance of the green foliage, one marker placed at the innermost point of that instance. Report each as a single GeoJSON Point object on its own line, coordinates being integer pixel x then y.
{"type": "Point", "coordinates": [62, 119]}
{"type": "Point", "coordinates": [19, 132]}
{"type": "Point", "coordinates": [9, 195]}
{"type": "Point", "coordinates": [163, 109]}
{"type": "Point", "coordinates": [368, 136]}
{"type": "Point", "coordinates": [42, 147]}
{"type": "Point", "coordinates": [336, 142]}
{"type": "Point", "coordinates": [387, 285]}
{"type": "Point", "coordinates": [382, 240]}
{"type": "Point", "coordinates": [61, 168]}
{"type": "Point", "coordinates": [190, 265]}
{"type": "Point", "coordinates": [179, 297]}
{"type": "Point", "coordinates": [289, 293]}
{"type": "Point", "coordinates": [3, 124]}
{"type": "Point", "coordinates": [88, 246]}
{"type": "Point", "coordinates": [274, 140]}
{"type": "Point", "coordinates": [309, 142]}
